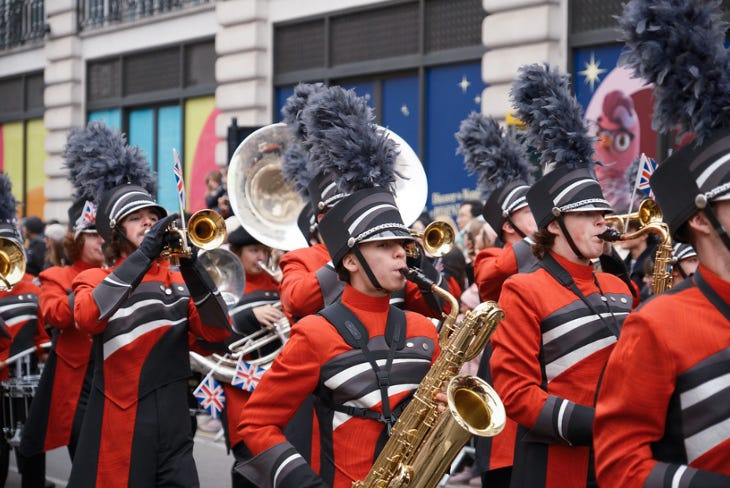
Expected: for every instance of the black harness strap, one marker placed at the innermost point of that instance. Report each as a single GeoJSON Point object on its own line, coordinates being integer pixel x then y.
{"type": "Point", "coordinates": [330, 286]}
{"type": "Point", "coordinates": [356, 335]}
{"type": "Point", "coordinates": [563, 277]}
{"type": "Point", "coordinates": [716, 300]}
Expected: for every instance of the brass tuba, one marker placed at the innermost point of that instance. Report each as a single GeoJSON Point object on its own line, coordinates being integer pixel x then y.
{"type": "Point", "coordinates": [268, 206]}
{"type": "Point", "coordinates": [227, 273]}
{"type": "Point", "coordinates": [424, 441]}
{"type": "Point", "coordinates": [649, 217]}
{"type": "Point", "coordinates": [12, 263]}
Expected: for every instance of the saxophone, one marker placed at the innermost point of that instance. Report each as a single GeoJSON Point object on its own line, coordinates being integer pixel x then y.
{"type": "Point", "coordinates": [649, 217]}
{"type": "Point", "coordinates": [424, 441]}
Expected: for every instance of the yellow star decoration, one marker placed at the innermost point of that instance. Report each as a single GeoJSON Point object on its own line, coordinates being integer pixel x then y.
{"type": "Point", "coordinates": [592, 72]}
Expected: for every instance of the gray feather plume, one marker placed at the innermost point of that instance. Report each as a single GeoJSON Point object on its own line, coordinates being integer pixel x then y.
{"type": "Point", "coordinates": [345, 141]}
{"type": "Point", "coordinates": [554, 119]}
{"type": "Point", "coordinates": [99, 159]}
{"type": "Point", "coordinates": [679, 46]}
{"type": "Point", "coordinates": [495, 157]}
{"type": "Point", "coordinates": [294, 164]}
{"type": "Point", "coordinates": [295, 170]}
{"type": "Point", "coordinates": [292, 111]}
{"type": "Point", "coordinates": [8, 204]}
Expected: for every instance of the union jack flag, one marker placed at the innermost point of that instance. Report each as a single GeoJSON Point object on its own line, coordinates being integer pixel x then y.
{"type": "Point", "coordinates": [646, 169]}
{"type": "Point", "coordinates": [177, 169]}
{"type": "Point", "coordinates": [211, 396]}
{"type": "Point", "coordinates": [87, 217]}
{"type": "Point", "coordinates": [247, 375]}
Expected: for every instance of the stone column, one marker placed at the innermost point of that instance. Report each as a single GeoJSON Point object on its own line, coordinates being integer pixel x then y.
{"type": "Point", "coordinates": [518, 32]}
{"type": "Point", "coordinates": [63, 99]}
{"type": "Point", "coordinates": [243, 69]}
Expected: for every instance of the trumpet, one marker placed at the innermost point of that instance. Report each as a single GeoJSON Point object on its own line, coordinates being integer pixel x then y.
{"type": "Point", "coordinates": [438, 238]}
{"type": "Point", "coordinates": [12, 263]}
{"type": "Point", "coordinates": [206, 230]}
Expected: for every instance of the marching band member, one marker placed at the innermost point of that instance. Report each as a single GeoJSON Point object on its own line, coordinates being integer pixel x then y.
{"type": "Point", "coordinates": [662, 414]}
{"type": "Point", "coordinates": [60, 401]}
{"type": "Point", "coordinates": [309, 280]}
{"type": "Point", "coordinates": [358, 399]}
{"type": "Point", "coordinates": [562, 319]}
{"type": "Point", "coordinates": [63, 390]}
{"type": "Point", "coordinates": [21, 322]}
{"type": "Point", "coordinates": [503, 173]}
{"type": "Point", "coordinates": [19, 312]}
{"type": "Point", "coordinates": [138, 313]}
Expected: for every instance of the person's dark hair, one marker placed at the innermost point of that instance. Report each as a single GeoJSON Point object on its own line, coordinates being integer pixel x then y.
{"type": "Point", "coordinates": [116, 246]}
{"type": "Point", "coordinates": [34, 225]}
{"type": "Point", "coordinates": [544, 241]}
{"type": "Point", "coordinates": [476, 207]}
{"type": "Point", "coordinates": [342, 273]}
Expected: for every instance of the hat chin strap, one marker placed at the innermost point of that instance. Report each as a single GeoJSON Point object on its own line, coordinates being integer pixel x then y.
{"type": "Point", "coordinates": [568, 237]}
{"type": "Point", "coordinates": [517, 229]}
{"type": "Point", "coordinates": [718, 226]}
{"type": "Point", "coordinates": [366, 267]}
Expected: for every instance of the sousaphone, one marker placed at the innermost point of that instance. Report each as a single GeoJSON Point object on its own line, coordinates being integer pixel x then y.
{"type": "Point", "coordinates": [268, 206]}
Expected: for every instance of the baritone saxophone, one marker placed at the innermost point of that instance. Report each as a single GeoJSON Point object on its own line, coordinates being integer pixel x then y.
{"type": "Point", "coordinates": [424, 441]}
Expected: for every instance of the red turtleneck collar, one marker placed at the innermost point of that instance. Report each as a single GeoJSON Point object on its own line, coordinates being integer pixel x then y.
{"type": "Point", "coordinates": [577, 271]}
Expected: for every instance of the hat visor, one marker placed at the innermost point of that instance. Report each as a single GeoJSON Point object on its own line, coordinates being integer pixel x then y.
{"type": "Point", "coordinates": [389, 235]}
{"type": "Point", "coordinates": [596, 206]}
{"type": "Point", "coordinates": [159, 210]}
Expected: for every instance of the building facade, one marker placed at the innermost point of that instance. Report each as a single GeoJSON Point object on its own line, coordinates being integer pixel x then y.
{"type": "Point", "coordinates": [174, 74]}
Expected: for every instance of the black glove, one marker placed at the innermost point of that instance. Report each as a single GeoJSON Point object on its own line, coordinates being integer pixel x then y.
{"type": "Point", "coordinates": [155, 239]}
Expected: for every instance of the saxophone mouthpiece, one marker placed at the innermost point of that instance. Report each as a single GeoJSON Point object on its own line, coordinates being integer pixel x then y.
{"type": "Point", "coordinates": [416, 276]}
{"type": "Point", "coordinates": [610, 235]}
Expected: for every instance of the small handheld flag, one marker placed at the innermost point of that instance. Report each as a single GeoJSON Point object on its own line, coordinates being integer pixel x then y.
{"type": "Point", "coordinates": [211, 396]}
{"type": "Point", "coordinates": [177, 169]}
{"type": "Point", "coordinates": [646, 169]}
{"type": "Point", "coordinates": [247, 375]}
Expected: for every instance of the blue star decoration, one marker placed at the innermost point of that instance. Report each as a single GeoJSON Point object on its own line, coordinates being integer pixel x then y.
{"type": "Point", "coordinates": [592, 72]}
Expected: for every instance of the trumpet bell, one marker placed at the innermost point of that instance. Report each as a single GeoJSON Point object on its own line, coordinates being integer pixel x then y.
{"type": "Point", "coordinates": [265, 204]}
{"type": "Point", "coordinates": [438, 238]}
{"type": "Point", "coordinates": [206, 229]}
{"type": "Point", "coordinates": [12, 263]}
{"type": "Point", "coordinates": [227, 272]}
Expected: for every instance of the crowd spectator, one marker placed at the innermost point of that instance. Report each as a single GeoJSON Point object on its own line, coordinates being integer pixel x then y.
{"type": "Point", "coordinates": [33, 228]}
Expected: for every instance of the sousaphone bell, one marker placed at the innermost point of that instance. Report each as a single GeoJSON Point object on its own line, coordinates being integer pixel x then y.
{"type": "Point", "coordinates": [268, 206]}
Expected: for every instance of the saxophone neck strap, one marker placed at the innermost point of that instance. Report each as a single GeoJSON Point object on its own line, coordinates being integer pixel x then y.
{"type": "Point", "coordinates": [356, 335]}
{"type": "Point", "coordinates": [721, 305]}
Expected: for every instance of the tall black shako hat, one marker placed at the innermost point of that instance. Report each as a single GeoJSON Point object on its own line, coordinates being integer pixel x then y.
{"type": "Point", "coordinates": [116, 174]}
{"type": "Point", "coordinates": [500, 163]}
{"type": "Point", "coordinates": [313, 182]}
{"type": "Point", "coordinates": [679, 46]}
{"type": "Point", "coordinates": [8, 211]}
{"type": "Point", "coordinates": [555, 128]}
{"type": "Point", "coordinates": [345, 142]}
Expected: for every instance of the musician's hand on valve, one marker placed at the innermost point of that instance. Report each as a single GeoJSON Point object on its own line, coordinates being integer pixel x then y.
{"type": "Point", "coordinates": [154, 239]}
{"type": "Point", "coordinates": [268, 315]}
